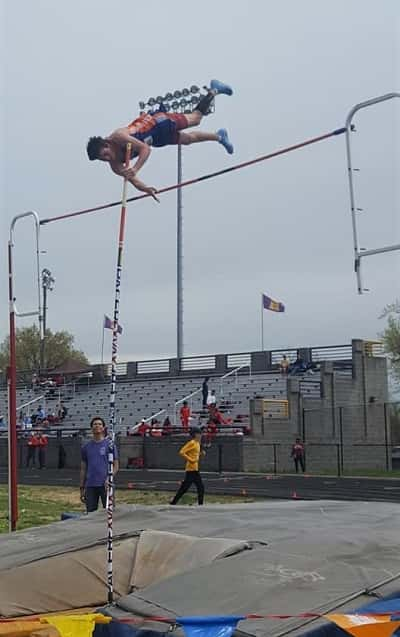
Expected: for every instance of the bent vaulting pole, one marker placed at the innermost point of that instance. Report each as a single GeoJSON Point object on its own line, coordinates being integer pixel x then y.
{"type": "Point", "coordinates": [114, 356]}
{"type": "Point", "coordinates": [196, 180]}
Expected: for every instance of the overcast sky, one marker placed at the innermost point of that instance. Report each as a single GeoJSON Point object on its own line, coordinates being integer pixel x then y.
{"type": "Point", "coordinates": [75, 69]}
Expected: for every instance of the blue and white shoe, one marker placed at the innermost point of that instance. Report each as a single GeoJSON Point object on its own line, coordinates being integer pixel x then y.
{"type": "Point", "coordinates": [224, 140]}
{"type": "Point", "coordinates": [220, 87]}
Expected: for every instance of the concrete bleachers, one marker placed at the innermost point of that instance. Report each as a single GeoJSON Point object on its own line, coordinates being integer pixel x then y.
{"type": "Point", "coordinates": [142, 398]}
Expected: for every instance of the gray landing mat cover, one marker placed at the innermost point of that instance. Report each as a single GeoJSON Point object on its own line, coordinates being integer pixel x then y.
{"type": "Point", "coordinates": [305, 556]}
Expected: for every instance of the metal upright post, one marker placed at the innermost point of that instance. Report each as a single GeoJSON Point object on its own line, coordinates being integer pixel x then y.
{"type": "Point", "coordinates": [179, 262]}
{"type": "Point", "coordinates": [360, 253]}
{"type": "Point", "coordinates": [12, 371]}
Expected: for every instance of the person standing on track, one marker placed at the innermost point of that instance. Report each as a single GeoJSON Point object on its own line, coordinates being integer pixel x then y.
{"type": "Point", "coordinates": [94, 466]}
{"type": "Point", "coordinates": [191, 452]}
{"type": "Point", "coordinates": [298, 455]}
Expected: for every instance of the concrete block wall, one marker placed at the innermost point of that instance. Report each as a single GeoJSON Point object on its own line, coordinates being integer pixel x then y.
{"type": "Point", "coordinates": [351, 411]}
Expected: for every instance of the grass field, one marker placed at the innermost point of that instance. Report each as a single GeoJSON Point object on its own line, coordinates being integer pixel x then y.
{"type": "Point", "coordinates": [42, 505]}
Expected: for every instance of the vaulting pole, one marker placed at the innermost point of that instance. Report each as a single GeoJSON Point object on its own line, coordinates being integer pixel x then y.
{"type": "Point", "coordinates": [111, 433]}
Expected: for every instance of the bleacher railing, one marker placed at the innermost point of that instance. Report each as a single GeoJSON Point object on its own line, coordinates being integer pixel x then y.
{"type": "Point", "coordinates": [233, 372]}
{"type": "Point", "coordinates": [161, 366]}
{"type": "Point", "coordinates": [194, 363]}
{"type": "Point", "coordinates": [218, 363]}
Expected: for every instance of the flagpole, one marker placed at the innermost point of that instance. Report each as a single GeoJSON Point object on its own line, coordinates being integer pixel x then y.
{"type": "Point", "coordinates": [262, 323]}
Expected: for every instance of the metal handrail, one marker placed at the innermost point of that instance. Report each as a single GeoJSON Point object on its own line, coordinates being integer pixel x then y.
{"type": "Point", "coordinates": [162, 411]}
{"type": "Point", "coordinates": [233, 371]}
{"type": "Point", "coordinates": [34, 400]}
{"type": "Point", "coordinates": [182, 400]}
{"type": "Point", "coordinates": [133, 429]}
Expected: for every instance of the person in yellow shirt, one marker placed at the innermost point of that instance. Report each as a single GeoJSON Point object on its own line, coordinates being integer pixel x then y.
{"type": "Point", "coordinates": [191, 452]}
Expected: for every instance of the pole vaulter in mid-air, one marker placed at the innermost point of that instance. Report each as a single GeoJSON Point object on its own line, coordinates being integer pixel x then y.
{"type": "Point", "coordinates": [157, 129]}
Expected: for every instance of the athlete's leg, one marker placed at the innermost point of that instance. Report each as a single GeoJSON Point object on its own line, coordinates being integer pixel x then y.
{"type": "Point", "coordinates": [194, 137]}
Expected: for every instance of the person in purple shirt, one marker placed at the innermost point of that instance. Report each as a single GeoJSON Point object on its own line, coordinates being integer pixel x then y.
{"type": "Point", "coordinates": [94, 466]}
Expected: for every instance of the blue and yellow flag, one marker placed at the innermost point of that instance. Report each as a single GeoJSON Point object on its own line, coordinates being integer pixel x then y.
{"type": "Point", "coordinates": [270, 304]}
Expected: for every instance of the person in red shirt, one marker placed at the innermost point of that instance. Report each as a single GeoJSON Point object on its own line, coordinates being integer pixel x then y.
{"type": "Point", "coordinates": [298, 455]}
{"type": "Point", "coordinates": [143, 428]}
{"type": "Point", "coordinates": [211, 432]}
{"type": "Point", "coordinates": [185, 416]}
{"type": "Point", "coordinates": [33, 444]}
{"type": "Point", "coordinates": [42, 444]}
{"type": "Point", "coordinates": [217, 417]}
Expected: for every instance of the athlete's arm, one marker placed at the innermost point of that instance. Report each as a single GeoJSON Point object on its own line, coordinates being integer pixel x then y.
{"type": "Point", "coordinates": [122, 137]}
{"type": "Point", "coordinates": [143, 188]}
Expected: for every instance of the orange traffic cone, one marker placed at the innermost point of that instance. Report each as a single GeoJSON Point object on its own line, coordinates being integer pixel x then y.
{"type": "Point", "coordinates": [294, 496]}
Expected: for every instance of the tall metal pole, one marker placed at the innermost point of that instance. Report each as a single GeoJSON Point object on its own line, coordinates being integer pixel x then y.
{"type": "Point", "coordinates": [262, 323]}
{"type": "Point", "coordinates": [43, 335]}
{"type": "Point", "coordinates": [12, 407]}
{"type": "Point", "coordinates": [179, 262]}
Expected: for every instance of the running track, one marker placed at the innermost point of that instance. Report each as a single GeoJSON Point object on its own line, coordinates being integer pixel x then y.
{"type": "Point", "coordinates": [252, 485]}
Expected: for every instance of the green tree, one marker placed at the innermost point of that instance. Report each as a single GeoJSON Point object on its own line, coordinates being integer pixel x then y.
{"type": "Point", "coordinates": [391, 336]}
{"type": "Point", "coordinates": [59, 349]}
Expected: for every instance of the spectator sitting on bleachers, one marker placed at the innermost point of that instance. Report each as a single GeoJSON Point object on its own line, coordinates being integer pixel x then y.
{"type": "Point", "coordinates": [301, 367]}
{"type": "Point", "coordinates": [53, 419]}
{"type": "Point", "coordinates": [51, 386]}
{"type": "Point", "coordinates": [211, 398]}
{"type": "Point", "coordinates": [217, 418]}
{"type": "Point", "coordinates": [40, 414]}
{"type": "Point", "coordinates": [155, 428]}
{"type": "Point", "coordinates": [284, 364]}
{"type": "Point", "coordinates": [167, 427]}
{"type": "Point", "coordinates": [185, 414]}
{"type": "Point", "coordinates": [143, 428]}
{"type": "Point", "coordinates": [27, 423]}
{"type": "Point", "coordinates": [62, 412]}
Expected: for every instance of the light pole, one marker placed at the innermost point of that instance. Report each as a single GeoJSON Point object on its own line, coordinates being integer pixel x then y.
{"type": "Point", "coordinates": [180, 101]}
{"type": "Point", "coordinates": [47, 285]}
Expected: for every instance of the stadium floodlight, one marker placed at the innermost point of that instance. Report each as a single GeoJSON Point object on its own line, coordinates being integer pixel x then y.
{"type": "Point", "coordinates": [177, 94]}
{"type": "Point", "coordinates": [151, 101]}
{"type": "Point", "coordinates": [159, 99]}
{"type": "Point", "coordinates": [142, 106]}
{"type": "Point", "coordinates": [185, 92]}
{"type": "Point", "coordinates": [167, 106]}
{"type": "Point", "coordinates": [194, 99]}
{"type": "Point", "coordinates": [194, 89]}
{"type": "Point", "coordinates": [175, 105]}
{"type": "Point", "coordinates": [182, 103]}
{"type": "Point", "coordinates": [168, 97]}
{"type": "Point", "coordinates": [47, 286]}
